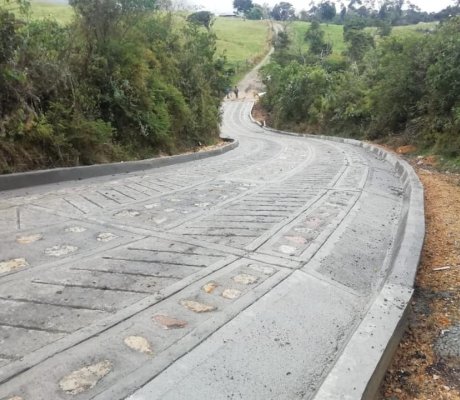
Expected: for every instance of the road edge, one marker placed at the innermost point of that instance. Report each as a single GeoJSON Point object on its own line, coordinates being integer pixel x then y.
{"type": "Point", "coordinates": [360, 369]}
{"type": "Point", "coordinates": [56, 175]}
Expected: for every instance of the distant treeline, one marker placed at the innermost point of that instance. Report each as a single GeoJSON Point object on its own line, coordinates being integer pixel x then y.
{"type": "Point", "coordinates": [391, 12]}
{"type": "Point", "coordinates": [122, 81]}
{"type": "Point", "coordinates": [405, 86]}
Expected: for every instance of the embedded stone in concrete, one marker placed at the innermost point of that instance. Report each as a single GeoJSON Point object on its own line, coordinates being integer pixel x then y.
{"type": "Point", "coordinates": [153, 274]}
{"type": "Point", "coordinates": [75, 229]}
{"type": "Point", "coordinates": [287, 249]}
{"type": "Point", "coordinates": [128, 213]}
{"type": "Point", "coordinates": [106, 237]}
{"type": "Point", "coordinates": [169, 210]}
{"type": "Point", "coordinates": [312, 222]}
{"type": "Point", "coordinates": [196, 306]}
{"type": "Point", "coordinates": [167, 322]}
{"type": "Point", "coordinates": [210, 287]}
{"type": "Point", "coordinates": [151, 206]}
{"type": "Point", "coordinates": [85, 378]}
{"type": "Point", "coordinates": [60, 250]}
{"type": "Point", "coordinates": [231, 294]}
{"type": "Point", "coordinates": [139, 344]}
{"type": "Point", "coordinates": [296, 239]}
{"type": "Point", "coordinates": [262, 269]}
{"type": "Point", "coordinates": [13, 265]}
{"type": "Point", "coordinates": [28, 239]}
{"type": "Point", "coordinates": [15, 398]}
{"type": "Point", "coordinates": [159, 221]}
{"type": "Point", "coordinates": [202, 205]}
{"type": "Point", "coordinates": [245, 279]}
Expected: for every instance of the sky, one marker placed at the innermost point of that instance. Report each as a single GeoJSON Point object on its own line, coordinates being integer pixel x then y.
{"type": "Point", "coordinates": [226, 6]}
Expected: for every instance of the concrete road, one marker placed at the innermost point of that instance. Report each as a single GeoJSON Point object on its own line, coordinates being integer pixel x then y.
{"type": "Point", "coordinates": [238, 276]}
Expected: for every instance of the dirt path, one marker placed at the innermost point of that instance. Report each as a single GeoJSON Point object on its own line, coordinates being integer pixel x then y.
{"type": "Point", "coordinates": [251, 85]}
{"type": "Point", "coordinates": [427, 363]}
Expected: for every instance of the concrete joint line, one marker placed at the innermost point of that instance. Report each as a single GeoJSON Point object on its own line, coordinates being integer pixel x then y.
{"type": "Point", "coordinates": [82, 335]}
{"type": "Point", "coordinates": [358, 372]}
{"type": "Point", "coordinates": [191, 341]}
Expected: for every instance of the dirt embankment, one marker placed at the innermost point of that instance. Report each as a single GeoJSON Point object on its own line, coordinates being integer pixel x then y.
{"type": "Point", "coordinates": [427, 363]}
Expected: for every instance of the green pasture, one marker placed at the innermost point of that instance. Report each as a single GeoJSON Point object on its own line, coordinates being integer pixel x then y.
{"type": "Point", "coordinates": [334, 34]}
{"type": "Point", "coordinates": [61, 12]}
{"type": "Point", "coordinates": [243, 42]}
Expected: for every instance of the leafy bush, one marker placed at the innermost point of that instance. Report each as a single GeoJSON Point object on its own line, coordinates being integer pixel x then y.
{"type": "Point", "coordinates": [407, 86]}
{"type": "Point", "coordinates": [121, 81]}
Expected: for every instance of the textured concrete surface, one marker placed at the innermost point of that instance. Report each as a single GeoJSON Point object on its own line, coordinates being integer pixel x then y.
{"type": "Point", "coordinates": [246, 275]}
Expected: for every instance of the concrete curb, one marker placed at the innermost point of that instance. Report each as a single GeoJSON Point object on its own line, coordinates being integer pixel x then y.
{"type": "Point", "coordinates": [43, 177]}
{"type": "Point", "coordinates": [359, 371]}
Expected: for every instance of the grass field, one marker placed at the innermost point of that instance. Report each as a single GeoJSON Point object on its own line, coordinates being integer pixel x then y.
{"type": "Point", "coordinates": [60, 12]}
{"type": "Point", "coordinates": [421, 27]}
{"type": "Point", "coordinates": [334, 34]}
{"type": "Point", "coordinates": [243, 42]}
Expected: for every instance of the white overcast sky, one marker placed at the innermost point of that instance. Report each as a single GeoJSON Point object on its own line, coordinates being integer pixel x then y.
{"type": "Point", "coordinates": [226, 6]}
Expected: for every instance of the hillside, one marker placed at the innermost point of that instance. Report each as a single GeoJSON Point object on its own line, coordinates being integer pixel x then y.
{"type": "Point", "coordinates": [334, 34]}
{"type": "Point", "coordinates": [244, 42]}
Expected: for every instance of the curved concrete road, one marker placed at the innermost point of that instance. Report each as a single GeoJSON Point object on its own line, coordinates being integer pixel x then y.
{"type": "Point", "coordinates": [239, 276]}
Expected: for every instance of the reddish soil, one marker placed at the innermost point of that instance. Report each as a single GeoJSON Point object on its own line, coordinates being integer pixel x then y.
{"type": "Point", "coordinates": [418, 370]}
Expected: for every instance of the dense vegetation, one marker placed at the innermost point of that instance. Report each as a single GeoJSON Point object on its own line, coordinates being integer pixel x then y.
{"type": "Point", "coordinates": [405, 87]}
{"type": "Point", "coordinates": [243, 42]}
{"type": "Point", "coordinates": [369, 12]}
{"type": "Point", "coordinates": [123, 80]}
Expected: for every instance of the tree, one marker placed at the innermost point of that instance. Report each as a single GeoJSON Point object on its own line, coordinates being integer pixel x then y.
{"type": "Point", "coordinates": [255, 13]}
{"type": "Point", "coordinates": [283, 11]}
{"type": "Point", "coordinates": [343, 12]}
{"type": "Point", "coordinates": [443, 76]}
{"type": "Point", "coordinates": [204, 18]}
{"type": "Point", "coordinates": [102, 18]}
{"type": "Point", "coordinates": [295, 93]}
{"type": "Point", "coordinates": [9, 39]}
{"type": "Point", "coordinates": [242, 6]}
{"type": "Point", "coordinates": [315, 38]}
{"type": "Point", "coordinates": [352, 4]}
{"type": "Point", "coordinates": [359, 41]}
{"type": "Point", "coordinates": [164, 5]}
{"type": "Point", "coordinates": [282, 41]}
{"type": "Point", "coordinates": [327, 10]}
{"type": "Point", "coordinates": [384, 28]}
{"type": "Point", "coordinates": [391, 10]}
{"type": "Point", "coordinates": [304, 15]}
